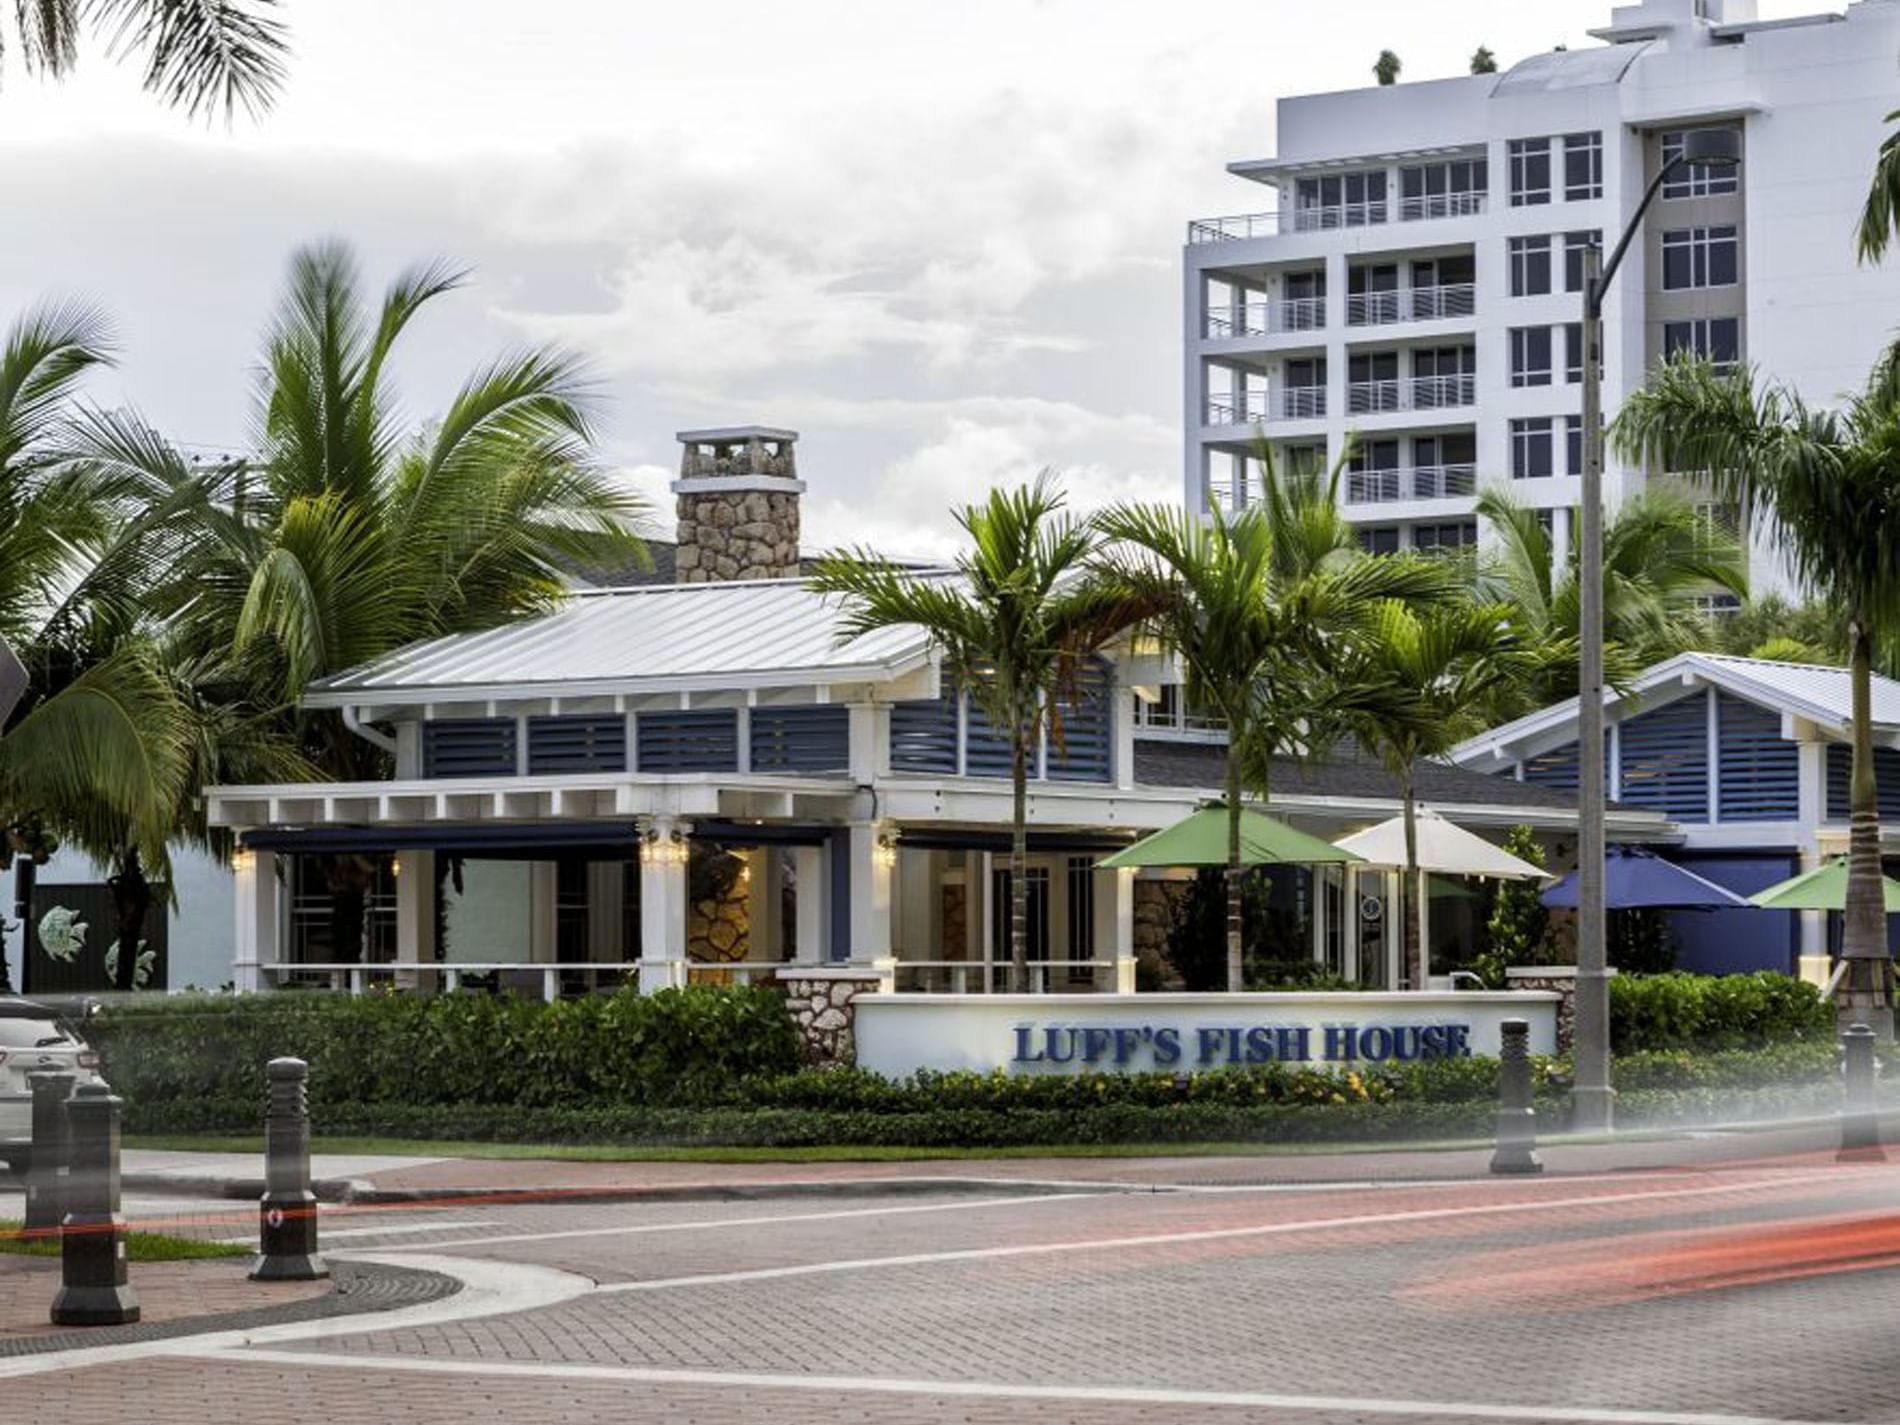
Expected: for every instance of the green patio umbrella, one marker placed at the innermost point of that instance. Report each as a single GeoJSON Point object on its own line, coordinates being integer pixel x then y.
{"type": "Point", "coordinates": [1201, 840]}
{"type": "Point", "coordinates": [1823, 888]}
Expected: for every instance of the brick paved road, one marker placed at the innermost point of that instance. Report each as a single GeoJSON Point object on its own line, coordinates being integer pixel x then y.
{"type": "Point", "coordinates": [1759, 1291]}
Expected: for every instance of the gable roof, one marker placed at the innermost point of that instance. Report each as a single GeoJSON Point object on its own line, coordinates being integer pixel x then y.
{"type": "Point", "coordinates": [666, 638]}
{"type": "Point", "coordinates": [1820, 694]}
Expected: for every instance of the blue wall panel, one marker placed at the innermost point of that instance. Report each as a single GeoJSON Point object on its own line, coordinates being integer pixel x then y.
{"type": "Point", "coordinates": [1665, 759]}
{"type": "Point", "coordinates": [1759, 775]}
{"type": "Point", "coordinates": [1730, 942]}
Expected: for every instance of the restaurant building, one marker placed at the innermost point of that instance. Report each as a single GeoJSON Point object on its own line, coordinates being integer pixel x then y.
{"type": "Point", "coordinates": [700, 780]}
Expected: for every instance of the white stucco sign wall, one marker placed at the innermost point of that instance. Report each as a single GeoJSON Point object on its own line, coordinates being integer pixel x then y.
{"type": "Point", "coordinates": [898, 1034]}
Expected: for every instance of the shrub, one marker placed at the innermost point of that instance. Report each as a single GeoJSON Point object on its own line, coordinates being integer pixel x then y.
{"type": "Point", "coordinates": [677, 1046]}
{"type": "Point", "coordinates": [1681, 1011]}
{"type": "Point", "coordinates": [1518, 931]}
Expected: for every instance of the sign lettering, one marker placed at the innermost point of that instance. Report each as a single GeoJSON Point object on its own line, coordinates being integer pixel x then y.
{"type": "Point", "coordinates": [1225, 1046]}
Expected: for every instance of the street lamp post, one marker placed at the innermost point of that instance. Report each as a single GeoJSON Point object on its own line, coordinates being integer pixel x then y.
{"type": "Point", "coordinates": [1594, 1098]}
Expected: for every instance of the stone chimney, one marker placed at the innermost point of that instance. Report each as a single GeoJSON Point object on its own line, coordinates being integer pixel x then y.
{"type": "Point", "coordinates": [738, 505]}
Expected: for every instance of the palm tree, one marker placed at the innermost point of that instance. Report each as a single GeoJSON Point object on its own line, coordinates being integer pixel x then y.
{"type": "Point", "coordinates": [98, 751]}
{"type": "Point", "coordinates": [1386, 68]}
{"type": "Point", "coordinates": [1659, 559]}
{"type": "Point", "coordinates": [347, 535]}
{"type": "Point", "coordinates": [1829, 484]}
{"type": "Point", "coordinates": [1255, 605]}
{"type": "Point", "coordinates": [1423, 677]}
{"type": "Point", "coordinates": [1880, 212]}
{"type": "Point", "coordinates": [1014, 629]}
{"type": "Point", "coordinates": [199, 55]}
{"type": "Point", "coordinates": [1483, 61]}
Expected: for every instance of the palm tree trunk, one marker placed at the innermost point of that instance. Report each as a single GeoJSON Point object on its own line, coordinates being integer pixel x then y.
{"type": "Point", "coordinates": [1863, 994]}
{"type": "Point", "coordinates": [132, 902]}
{"type": "Point", "coordinates": [1019, 870]}
{"type": "Point", "coordinates": [1236, 970]}
{"type": "Point", "coordinates": [1413, 890]}
{"type": "Point", "coordinates": [24, 874]}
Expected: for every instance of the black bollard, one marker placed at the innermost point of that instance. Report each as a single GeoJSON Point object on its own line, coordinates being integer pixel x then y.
{"type": "Point", "coordinates": [287, 1213]}
{"type": "Point", "coordinates": [1860, 1120]}
{"type": "Point", "coordinates": [46, 1166]}
{"type": "Point", "coordinates": [1517, 1120]}
{"type": "Point", "coordinates": [93, 1290]}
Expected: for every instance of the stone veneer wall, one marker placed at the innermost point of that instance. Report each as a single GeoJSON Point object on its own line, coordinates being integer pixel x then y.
{"type": "Point", "coordinates": [746, 534]}
{"type": "Point", "coordinates": [1155, 903]}
{"type": "Point", "coordinates": [720, 930]}
{"type": "Point", "coordinates": [1560, 978]}
{"type": "Point", "coordinates": [821, 1006]}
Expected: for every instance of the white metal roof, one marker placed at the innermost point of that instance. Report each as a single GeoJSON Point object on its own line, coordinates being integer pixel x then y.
{"type": "Point", "coordinates": [1816, 692]}
{"type": "Point", "coordinates": [764, 633]}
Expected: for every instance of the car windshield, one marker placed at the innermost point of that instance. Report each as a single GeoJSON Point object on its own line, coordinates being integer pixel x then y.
{"type": "Point", "coordinates": [31, 1034]}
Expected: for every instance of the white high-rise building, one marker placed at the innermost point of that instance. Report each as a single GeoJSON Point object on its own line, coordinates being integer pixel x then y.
{"type": "Point", "coordinates": [1416, 274]}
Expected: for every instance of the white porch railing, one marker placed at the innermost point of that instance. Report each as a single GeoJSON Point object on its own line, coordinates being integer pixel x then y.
{"type": "Point", "coordinates": [358, 977]}
{"type": "Point", "coordinates": [1260, 317]}
{"type": "Point", "coordinates": [962, 977]}
{"type": "Point", "coordinates": [1417, 393]}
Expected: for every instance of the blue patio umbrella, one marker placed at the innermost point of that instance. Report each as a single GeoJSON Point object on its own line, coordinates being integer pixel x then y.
{"type": "Point", "coordinates": [1636, 879]}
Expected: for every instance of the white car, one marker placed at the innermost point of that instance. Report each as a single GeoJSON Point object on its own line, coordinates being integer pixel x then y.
{"type": "Point", "coordinates": [33, 1038]}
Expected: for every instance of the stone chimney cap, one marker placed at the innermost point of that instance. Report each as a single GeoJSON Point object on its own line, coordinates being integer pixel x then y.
{"type": "Point", "coordinates": [722, 434]}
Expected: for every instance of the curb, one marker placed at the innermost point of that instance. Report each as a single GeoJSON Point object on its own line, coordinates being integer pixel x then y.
{"type": "Point", "coordinates": [239, 1189]}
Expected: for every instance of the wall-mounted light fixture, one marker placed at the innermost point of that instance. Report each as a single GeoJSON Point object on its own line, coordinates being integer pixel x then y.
{"type": "Point", "coordinates": [668, 850]}
{"type": "Point", "coordinates": [886, 850]}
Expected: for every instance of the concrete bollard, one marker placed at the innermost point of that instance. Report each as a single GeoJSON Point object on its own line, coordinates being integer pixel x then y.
{"type": "Point", "coordinates": [93, 1289]}
{"type": "Point", "coordinates": [46, 1166]}
{"type": "Point", "coordinates": [1860, 1119]}
{"type": "Point", "coordinates": [1517, 1120]}
{"type": "Point", "coordinates": [287, 1213]}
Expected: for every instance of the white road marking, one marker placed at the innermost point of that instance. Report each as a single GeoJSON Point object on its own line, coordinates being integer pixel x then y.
{"type": "Point", "coordinates": [775, 1219]}
{"type": "Point", "coordinates": [1163, 1239]}
{"type": "Point", "coordinates": [1068, 1394]}
{"type": "Point", "coordinates": [488, 1289]}
{"type": "Point", "coordinates": [390, 1229]}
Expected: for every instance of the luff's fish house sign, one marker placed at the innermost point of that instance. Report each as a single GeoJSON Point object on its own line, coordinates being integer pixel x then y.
{"type": "Point", "coordinates": [1099, 1046]}
{"type": "Point", "coordinates": [899, 1034]}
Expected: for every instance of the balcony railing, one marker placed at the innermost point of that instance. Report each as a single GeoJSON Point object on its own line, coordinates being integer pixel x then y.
{"type": "Point", "coordinates": [1261, 317]}
{"type": "Point", "coordinates": [1289, 403]}
{"type": "Point", "coordinates": [1417, 393]}
{"type": "Point", "coordinates": [1441, 205]}
{"type": "Point", "coordinates": [1237, 227]}
{"type": "Point", "coordinates": [1411, 304]}
{"type": "Point", "coordinates": [1417, 482]}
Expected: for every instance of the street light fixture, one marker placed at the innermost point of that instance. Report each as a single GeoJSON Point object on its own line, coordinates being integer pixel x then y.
{"type": "Point", "coordinates": [1706, 150]}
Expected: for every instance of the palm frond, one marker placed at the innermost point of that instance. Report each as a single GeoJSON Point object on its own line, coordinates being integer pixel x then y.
{"type": "Point", "coordinates": [202, 55]}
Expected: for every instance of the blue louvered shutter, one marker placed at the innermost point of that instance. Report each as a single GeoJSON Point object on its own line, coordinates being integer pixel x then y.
{"type": "Point", "coordinates": [1840, 777]}
{"type": "Point", "coordinates": [1085, 750]}
{"type": "Point", "coordinates": [1759, 775]}
{"type": "Point", "coordinates": [594, 743]}
{"type": "Point", "coordinates": [1665, 756]}
{"type": "Point", "coordinates": [924, 736]}
{"type": "Point", "coordinates": [468, 747]}
{"type": "Point", "coordinates": [802, 739]}
{"type": "Point", "coordinates": [985, 751]}
{"type": "Point", "coordinates": [1556, 769]}
{"type": "Point", "coordinates": [699, 740]}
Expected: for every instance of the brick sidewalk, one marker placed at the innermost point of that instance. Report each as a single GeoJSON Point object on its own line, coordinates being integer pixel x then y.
{"type": "Point", "coordinates": [167, 1291]}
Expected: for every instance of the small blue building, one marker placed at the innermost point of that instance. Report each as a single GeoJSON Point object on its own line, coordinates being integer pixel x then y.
{"type": "Point", "coordinates": [1749, 759]}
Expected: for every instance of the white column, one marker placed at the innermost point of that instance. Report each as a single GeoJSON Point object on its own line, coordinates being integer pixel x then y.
{"type": "Point", "coordinates": [982, 941]}
{"type": "Point", "coordinates": [1115, 908]}
{"type": "Point", "coordinates": [763, 905]}
{"type": "Point", "coordinates": [808, 903]}
{"type": "Point", "coordinates": [544, 882]}
{"type": "Point", "coordinates": [259, 925]}
{"type": "Point", "coordinates": [1318, 878]}
{"type": "Point", "coordinates": [1394, 923]}
{"type": "Point", "coordinates": [663, 905]}
{"type": "Point", "coordinates": [1349, 938]}
{"type": "Point", "coordinates": [415, 911]}
{"type": "Point", "coordinates": [873, 859]}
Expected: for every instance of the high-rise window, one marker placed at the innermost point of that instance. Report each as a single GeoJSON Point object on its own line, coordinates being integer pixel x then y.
{"type": "Point", "coordinates": [1379, 539]}
{"type": "Point", "coordinates": [1340, 200]}
{"type": "Point", "coordinates": [1574, 244]}
{"type": "Point", "coordinates": [1530, 448]}
{"type": "Point", "coordinates": [1717, 340]}
{"type": "Point", "coordinates": [1687, 182]}
{"type": "Point", "coordinates": [1573, 353]}
{"type": "Point", "coordinates": [1530, 356]}
{"type": "Point", "coordinates": [1530, 266]}
{"type": "Point", "coordinates": [1583, 166]}
{"type": "Point", "coordinates": [1573, 444]}
{"type": "Point", "coordinates": [1446, 538]}
{"type": "Point", "coordinates": [1700, 257]}
{"type": "Point", "coordinates": [1439, 190]}
{"type": "Point", "coordinates": [1530, 171]}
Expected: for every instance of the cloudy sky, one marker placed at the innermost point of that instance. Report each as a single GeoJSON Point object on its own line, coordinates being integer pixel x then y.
{"type": "Point", "coordinates": [941, 241]}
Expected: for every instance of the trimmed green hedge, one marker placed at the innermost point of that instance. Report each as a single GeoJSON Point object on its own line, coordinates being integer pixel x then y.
{"type": "Point", "coordinates": [678, 1046]}
{"type": "Point", "coordinates": [1681, 1011]}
